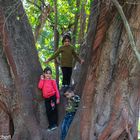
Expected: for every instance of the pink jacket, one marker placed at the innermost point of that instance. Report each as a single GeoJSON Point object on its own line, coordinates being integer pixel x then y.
{"type": "Point", "coordinates": [49, 88]}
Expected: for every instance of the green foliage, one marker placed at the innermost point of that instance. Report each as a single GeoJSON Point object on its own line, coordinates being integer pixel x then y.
{"type": "Point", "coordinates": [66, 16]}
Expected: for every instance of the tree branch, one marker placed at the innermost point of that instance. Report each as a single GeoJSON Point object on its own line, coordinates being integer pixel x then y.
{"type": "Point", "coordinates": [127, 27]}
{"type": "Point", "coordinates": [34, 4]}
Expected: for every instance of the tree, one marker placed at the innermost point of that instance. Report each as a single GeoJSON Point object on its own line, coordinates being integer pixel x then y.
{"type": "Point", "coordinates": [110, 96]}
{"type": "Point", "coordinates": [76, 22]}
{"type": "Point", "coordinates": [56, 40]}
{"type": "Point", "coordinates": [20, 69]}
{"type": "Point", "coordinates": [108, 81]}
{"type": "Point", "coordinates": [82, 22]}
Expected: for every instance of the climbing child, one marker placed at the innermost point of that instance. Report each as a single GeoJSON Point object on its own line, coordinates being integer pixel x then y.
{"type": "Point", "coordinates": [72, 105]}
{"type": "Point", "coordinates": [51, 95]}
{"type": "Point", "coordinates": [67, 53]}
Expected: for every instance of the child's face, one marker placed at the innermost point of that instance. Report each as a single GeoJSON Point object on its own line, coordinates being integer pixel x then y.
{"type": "Point", "coordinates": [66, 42]}
{"type": "Point", "coordinates": [48, 75]}
{"type": "Point", "coordinates": [69, 94]}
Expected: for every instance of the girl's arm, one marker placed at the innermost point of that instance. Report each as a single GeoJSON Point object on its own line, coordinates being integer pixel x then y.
{"type": "Point", "coordinates": [41, 82]}
{"type": "Point", "coordinates": [54, 55]}
{"type": "Point", "coordinates": [81, 61]}
{"type": "Point", "coordinates": [57, 91]}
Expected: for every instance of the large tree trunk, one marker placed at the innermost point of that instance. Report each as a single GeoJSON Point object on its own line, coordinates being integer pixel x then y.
{"type": "Point", "coordinates": [20, 69]}
{"type": "Point", "coordinates": [80, 71]}
{"type": "Point", "coordinates": [110, 99]}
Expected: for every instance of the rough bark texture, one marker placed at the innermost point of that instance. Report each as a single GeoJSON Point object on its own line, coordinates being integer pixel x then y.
{"type": "Point", "coordinates": [21, 69]}
{"type": "Point", "coordinates": [80, 71]}
{"type": "Point", "coordinates": [110, 97]}
{"type": "Point", "coordinates": [109, 82]}
{"type": "Point", "coordinates": [56, 40]}
{"type": "Point", "coordinates": [75, 23]}
{"type": "Point", "coordinates": [83, 19]}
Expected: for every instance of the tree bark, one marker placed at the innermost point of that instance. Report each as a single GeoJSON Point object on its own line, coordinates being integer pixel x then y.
{"type": "Point", "coordinates": [127, 27]}
{"type": "Point", "coordinates": [45, 11]}
{"type": "Point", "coordinates": [75, 23]}
{"type": "Point", "coordinates": [56, 40]}
{"type": "Point", "coordinates": [80, 71]}
{"type": "Point", "coordinates": [110, 97]}
{"type": "Point", "coordinates": [83, 18]}
{"type": "Point", "coordinates": [109, 82]}
{"type": "Point", "coordinates": [21, 61]}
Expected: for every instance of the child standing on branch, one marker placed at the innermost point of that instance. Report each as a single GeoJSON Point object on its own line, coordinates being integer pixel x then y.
{"type": "Point", "coordinates": [51, 95]}
{"type": "Point", "coordinates": [67, 53]}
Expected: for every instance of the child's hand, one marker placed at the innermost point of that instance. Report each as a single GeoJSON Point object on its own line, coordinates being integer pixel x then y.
{"type": "Point", "coordinates": [47, 61]}
{"type": "Point", "coordinates": [57, 101]}
{"type": "Point", "coordinates": [42, 77]}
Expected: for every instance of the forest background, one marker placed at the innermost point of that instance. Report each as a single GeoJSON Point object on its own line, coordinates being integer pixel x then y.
{"type": "Point", "coordinates": [50, 20]}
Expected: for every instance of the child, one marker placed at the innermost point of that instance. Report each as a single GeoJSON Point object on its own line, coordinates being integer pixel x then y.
{"type": "Point", "coordinates": [67, 54]}
{"type": "Point", "coordinates": [51, 95]}
{"type": "Point", "coordinates": [72, 105]}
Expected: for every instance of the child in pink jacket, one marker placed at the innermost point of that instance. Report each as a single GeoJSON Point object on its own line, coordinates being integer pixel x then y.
{"type": "Point", "coordinates": [52, 97]}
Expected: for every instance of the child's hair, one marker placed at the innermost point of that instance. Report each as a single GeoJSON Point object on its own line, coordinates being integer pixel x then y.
{"type": "Point", "coordinates": [69, 89]}
{"type": "Point", "coordinates": [66, 36]}
{"type": "Point", "coordinates": [47, 69]}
